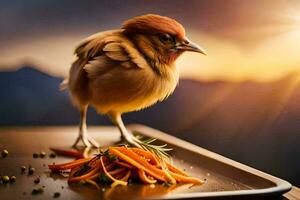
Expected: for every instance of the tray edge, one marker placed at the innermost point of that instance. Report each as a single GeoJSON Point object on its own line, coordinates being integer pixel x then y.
{"type": "Point", "coordinates": [281, 187]}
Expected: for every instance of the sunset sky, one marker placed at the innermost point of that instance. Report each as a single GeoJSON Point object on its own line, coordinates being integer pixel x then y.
{"type": "Point", "coordinates": [245, 40]}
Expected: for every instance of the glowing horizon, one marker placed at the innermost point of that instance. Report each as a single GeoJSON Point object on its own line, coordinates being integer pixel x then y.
{"type": "Point", "coordinates": [235, 58]}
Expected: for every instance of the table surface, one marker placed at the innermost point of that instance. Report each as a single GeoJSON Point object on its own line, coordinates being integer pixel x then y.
{"type": "Point", "coordinates": [22, 142]}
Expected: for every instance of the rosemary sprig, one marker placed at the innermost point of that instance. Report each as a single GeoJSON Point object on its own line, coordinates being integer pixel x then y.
{"type": "Point", "coordinates": [148, 144]}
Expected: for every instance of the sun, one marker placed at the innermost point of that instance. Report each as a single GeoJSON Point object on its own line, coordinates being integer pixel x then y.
{"type": "Point", "coordinates": [296, 18]}
{"type": "Point", "coordinates": [292, 18]}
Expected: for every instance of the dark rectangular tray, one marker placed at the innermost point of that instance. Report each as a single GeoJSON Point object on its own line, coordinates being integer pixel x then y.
{"type": "Point", "coordinates": [225, 177]}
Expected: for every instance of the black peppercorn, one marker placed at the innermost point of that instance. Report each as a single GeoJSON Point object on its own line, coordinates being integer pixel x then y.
{"type": "Point", "coordinates": [4, 153]}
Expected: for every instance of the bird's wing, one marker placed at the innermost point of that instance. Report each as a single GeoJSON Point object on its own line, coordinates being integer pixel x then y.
{"type": "Point", "coordinates": [109, 49]}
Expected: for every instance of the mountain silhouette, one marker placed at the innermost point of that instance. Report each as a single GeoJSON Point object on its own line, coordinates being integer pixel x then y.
{"type": "Point", "coordinates": [255, 123]}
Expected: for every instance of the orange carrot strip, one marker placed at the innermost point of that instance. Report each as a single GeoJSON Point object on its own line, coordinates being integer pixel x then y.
{"type": "Point", "coordinates": [164, 169]}
{"type": "Point", "coordinates": [154, 159]}
{"type": "Point", "coordinates": [85, 176]}
{"type": "Point", "coordinates": [120, 175]}
{"type": "Point", "coordinates": [146, 154]}
{"type": "Point", "coordinates": [144, 177]}
{"type": "Point", "coordinates": [136, 157]}
{"type": "Point", "coordinates": [167, 173]}
{"type": "Point", "coordinates": [185, 179]}
{"type": "Point", "coordinates": [175, 169]}
{"type": "Point", "coordinates": [115, 181]}
{"type": "Point", "coordinates": [93, 183]}
{"type": "Point", "coordinates": [95, 176]}
{"type": "Point", "coordinates": [123, 164]}
{"type": "Point", "coordinates": [109, 166]}
{"type": "Point", "coordinates": [68, 165]}
{"type": "Point", "coordinates": [116, 171]}
{"type": "Point", "coordinates": [125, 178]}
{"type": "Point", "coordinates": [73, 171]}
{"type": "Point", "coordinates": [140, 160]}
{"type": "Point", "coordinates": [68, 153]}
{"type": "Point", "coordinates": [159, 176]}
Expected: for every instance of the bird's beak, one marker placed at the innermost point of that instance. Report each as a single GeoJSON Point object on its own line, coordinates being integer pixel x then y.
{"type": "Point", "coordinates": [187, 45]}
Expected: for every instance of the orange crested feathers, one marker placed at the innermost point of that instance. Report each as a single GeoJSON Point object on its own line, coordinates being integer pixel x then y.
{"type": "Point", "coordinates": [152, 23]}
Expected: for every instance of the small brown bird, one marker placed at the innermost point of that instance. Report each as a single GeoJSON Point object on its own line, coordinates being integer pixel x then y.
{"type": "Point", "coordinates": [126, 70]}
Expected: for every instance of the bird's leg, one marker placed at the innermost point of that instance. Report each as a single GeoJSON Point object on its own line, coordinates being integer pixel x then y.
{"type": "Point", "coordinates": [82, 129]}
{"type": "Point", "coordinates": [93, 141]}
{"type": "Point", "coordinates": [125, 135]}
{"type": "Point", "coordinates": [87, 140]}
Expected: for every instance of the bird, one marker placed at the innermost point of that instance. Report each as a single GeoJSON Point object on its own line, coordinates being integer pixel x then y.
{"type": "Point", "coordinates": [126, 69]}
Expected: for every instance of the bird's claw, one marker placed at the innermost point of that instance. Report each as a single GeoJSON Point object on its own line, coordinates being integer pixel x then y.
{"type": "Point", "coordinates": [131, 140]}
{"type": "Point", "coordinates": [87, 141]}
{"type": "Point", "coordinates": [93, 142]}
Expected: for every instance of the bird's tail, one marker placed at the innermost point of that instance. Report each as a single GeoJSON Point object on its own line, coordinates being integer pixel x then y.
{"type": "Point", "coordinates": [64, 85]}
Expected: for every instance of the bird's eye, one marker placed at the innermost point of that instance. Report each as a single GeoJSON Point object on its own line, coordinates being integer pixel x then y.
{"type": "Point", "coordinates": [166, 38]}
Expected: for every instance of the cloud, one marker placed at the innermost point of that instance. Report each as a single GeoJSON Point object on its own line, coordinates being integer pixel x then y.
{"type": "Point", "coordinates": [269, 60]}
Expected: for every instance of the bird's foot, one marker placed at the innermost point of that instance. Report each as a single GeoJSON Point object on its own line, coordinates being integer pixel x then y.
{"type": "Point", "coordinates": [131, 140]}
{"type": "Point", "coordinates": [87, 141]}
{"type": "Point", "coordinates": [93, 142]}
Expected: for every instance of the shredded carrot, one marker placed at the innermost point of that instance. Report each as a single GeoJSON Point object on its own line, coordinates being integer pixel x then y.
{"type": "Point", "coordinates": [85, 176]}
{"type": "Point", "coordinates": [69, 165]}
{"type": "Point", "coordinates": [185, 179]}
{"type": "Point", "coordinates": [144, 177]}
{"type": "Point", "coordinates": [68, 153]}
{"type": "Point", "coordinates": [118, 165]}
{"type": "Point", "coordinates": [116, 171]}
{"type": "Point", "coordinates": [110, 166]}
{"type": "Point", "coordinates": [147, 155]}
{"type": "Point", "coordinates": [154, 160]}
{"type": "Point", "coordinates": [167, 173]}
{"type": "Point", "coordinates": [93, 183]}
{"type": "Point", "coordinates": [163, 173]}
{"type": "Point", "coordinates": [95, 176]}
{"type": "Point", "coordinates": [175, 169]}
{"type": "Point", "coordinates": [159, 176]}
{"type": "Point", "coordinates": [115, 181]}
{"type": "Point", "coordinates": [124, 164]}
{"type": "Point", "coordinates": [125, 178]}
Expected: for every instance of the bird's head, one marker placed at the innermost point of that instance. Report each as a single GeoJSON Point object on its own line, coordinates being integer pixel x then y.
{"type": "Point", "coordinates": [159, 38]}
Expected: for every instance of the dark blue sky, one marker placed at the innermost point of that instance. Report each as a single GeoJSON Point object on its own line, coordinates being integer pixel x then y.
{"type": "Point", "coordinates": [30, 18]}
